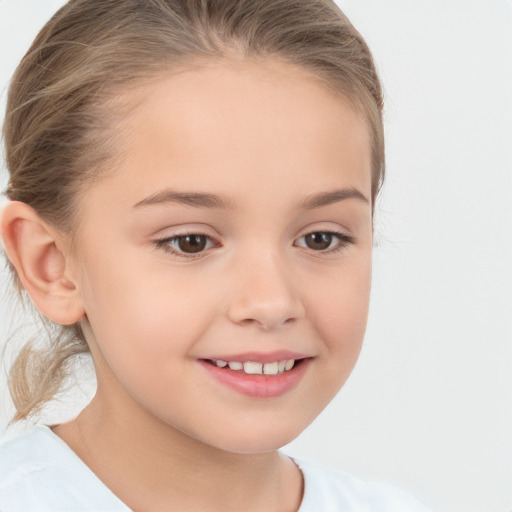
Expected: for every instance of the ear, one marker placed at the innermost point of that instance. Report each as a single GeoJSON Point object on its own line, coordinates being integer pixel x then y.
{"type": "Point", "coordinates": [32, 248]}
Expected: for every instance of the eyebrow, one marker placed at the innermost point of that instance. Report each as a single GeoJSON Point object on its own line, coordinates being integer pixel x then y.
{"type": "Point", "coordinates": [333, 196]}
{"type": "Point", "coordinates": [207, 200]}
{"type": "Point", "coordinates": [195, 199]}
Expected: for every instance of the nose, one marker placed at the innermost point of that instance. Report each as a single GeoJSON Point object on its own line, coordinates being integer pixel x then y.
{"type": "Point", "coordinates": [265, 294]}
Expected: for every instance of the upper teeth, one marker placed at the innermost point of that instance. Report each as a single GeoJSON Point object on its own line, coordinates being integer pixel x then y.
{"type": "Point", "coordinates": [258, 368]}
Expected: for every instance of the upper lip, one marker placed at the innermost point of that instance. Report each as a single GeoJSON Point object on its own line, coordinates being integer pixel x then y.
{"type": "Point", "coordinates": [259, 357]}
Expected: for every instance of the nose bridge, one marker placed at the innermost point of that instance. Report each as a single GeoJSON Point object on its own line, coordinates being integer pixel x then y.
{"type": "Point", "coordinates": [265, 292]}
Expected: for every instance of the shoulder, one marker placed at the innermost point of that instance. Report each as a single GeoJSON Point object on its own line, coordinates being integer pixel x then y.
{"type": "Point", "coordinates": [39, 472]}
{"type": "Point", "coordinates": [328, 490]}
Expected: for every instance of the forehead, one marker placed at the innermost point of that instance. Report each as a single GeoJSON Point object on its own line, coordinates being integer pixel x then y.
{"type": "Point", "coordinates": [252, 121]}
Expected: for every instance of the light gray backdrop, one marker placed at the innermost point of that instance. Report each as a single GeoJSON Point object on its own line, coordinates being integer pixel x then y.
{"type": "Point", "coordinates": [429, 404]}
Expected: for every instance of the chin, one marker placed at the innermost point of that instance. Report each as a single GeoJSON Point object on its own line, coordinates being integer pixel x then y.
{"type": "Point", "coordinates": [266, 438]}
{"type": "Point", "coordinates": [256, 444]}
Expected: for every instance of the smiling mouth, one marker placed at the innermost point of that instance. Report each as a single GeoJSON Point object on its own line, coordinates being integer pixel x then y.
{"type": "Point", "coordinates": [258, 379]}
{"type": "Point", "coordinates": [255, 368]}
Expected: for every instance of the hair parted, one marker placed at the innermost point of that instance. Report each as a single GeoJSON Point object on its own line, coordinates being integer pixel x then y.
{"type": "Point", "coordinates": [62, 109]}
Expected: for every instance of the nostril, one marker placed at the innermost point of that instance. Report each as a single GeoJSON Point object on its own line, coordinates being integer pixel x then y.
{"type": "Point", "coordinates": [267, 324]}
{"type": "Point", "coordinates": [266, 307]}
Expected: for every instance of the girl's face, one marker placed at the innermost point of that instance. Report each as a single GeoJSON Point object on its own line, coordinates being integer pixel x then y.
{"type": "Point", "coordinates": [238, 229]}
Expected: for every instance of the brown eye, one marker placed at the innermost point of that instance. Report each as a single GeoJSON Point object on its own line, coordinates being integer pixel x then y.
{"type": "Point", "coordinates": [192, 243]}
{"type": "Point", "coordinates": [186, 245]}
{"type": "Point", "coordinates": [318, 241]}
{"type": "Point", "coordinates": [325, 242]}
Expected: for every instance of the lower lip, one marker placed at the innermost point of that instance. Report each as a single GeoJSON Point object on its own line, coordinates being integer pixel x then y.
{"type": "Point", "coordinates": [258, 386]}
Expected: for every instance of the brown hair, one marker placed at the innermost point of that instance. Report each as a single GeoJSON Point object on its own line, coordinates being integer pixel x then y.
{"type": "Point", "coordinates": [60, 110]}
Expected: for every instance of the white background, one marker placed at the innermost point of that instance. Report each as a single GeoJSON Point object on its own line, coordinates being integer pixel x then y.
{"type": "Point", "coordinates": [429, 405]}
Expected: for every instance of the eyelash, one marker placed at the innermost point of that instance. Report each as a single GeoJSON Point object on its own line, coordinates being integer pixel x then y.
{"type": "Point", "coordinates": [344, 241]}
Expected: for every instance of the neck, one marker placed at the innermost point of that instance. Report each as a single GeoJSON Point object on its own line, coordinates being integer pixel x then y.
{"type": "Point", "coordinates": [151, 465]}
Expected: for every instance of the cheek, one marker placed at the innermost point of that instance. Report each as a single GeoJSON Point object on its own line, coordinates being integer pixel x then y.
{"type": "Point", "coordinates": [125, 314]}
{"type": "Point", "coordinates": [340, 316]}
{"type": "Point", "coordinates": [138, 335]}
{"type": "Point", "coordinates": [142, 317]}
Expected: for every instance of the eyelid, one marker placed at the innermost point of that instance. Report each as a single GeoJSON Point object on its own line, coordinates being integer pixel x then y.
{"type": "Point", "coordinates": [164, 244]}
{"type": "Point", "coordinates": [344, 240]}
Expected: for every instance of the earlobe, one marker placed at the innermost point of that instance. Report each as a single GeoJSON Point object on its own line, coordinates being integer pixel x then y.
{"type": "Point", "coordinates": [31, 246]}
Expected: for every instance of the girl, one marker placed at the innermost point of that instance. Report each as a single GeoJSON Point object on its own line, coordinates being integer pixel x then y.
{"type": "Point", "coordinates": [192, 189]}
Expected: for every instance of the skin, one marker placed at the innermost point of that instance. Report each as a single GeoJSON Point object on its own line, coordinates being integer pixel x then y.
{"type": "Point", "coordinates": [266, 137]}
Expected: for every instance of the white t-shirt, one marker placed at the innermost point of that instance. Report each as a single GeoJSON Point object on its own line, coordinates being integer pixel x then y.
{"type": "Point", "coordinates": [40, 473]}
